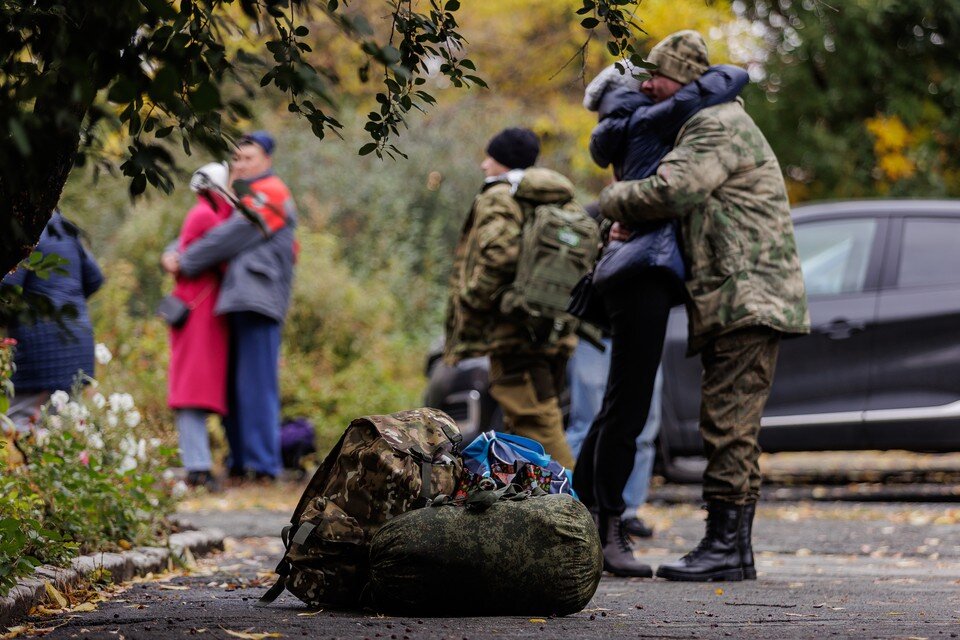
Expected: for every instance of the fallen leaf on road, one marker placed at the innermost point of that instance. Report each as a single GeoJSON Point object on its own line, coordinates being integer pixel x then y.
{"type": "Point", "coordinates": [124, 544]}
{"type": "Point", "coordinates": [246, 635]}
{"type": "Point", "coordinates": [307, 614]}
{"type": "Point", "coordinates": [538, 620]}
{"type": "Point", "coordinates": [13, 632]}
{"type": "Point", "coordinates": [174, 587]}
{"type": "Point", "coordinates": [719, 592]}
{"type": "Point", "coordinates": [54, 595]}
{"type": "Point", "coordinates": [84, 607]}
{"type": "Point", "coordinates": [894, 613]}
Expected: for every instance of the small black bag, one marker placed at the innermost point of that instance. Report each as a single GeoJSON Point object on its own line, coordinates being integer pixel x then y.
{"type": "Point", "coordinates": [587, 304]}
{"type": "Point", "coordinates": [174, 311]}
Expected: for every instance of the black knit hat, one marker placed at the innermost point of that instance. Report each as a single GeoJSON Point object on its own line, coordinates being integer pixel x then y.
{"type": "Point", "coordinates": [515, 148]}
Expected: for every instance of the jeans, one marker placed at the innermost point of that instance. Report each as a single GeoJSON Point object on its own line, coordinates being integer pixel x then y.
{"type": "Point", "coordinates": [194, 442]}
{"type": "Point", "coordinates": [253, 388]}
{"type": "Point", "coordinates": [587, 376]}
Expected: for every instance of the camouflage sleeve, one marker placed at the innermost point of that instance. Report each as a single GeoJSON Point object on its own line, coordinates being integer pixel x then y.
{"type": "Point", "coordinates": [498, 229]}
{"type": "Point", "coordinates": [702, 161]}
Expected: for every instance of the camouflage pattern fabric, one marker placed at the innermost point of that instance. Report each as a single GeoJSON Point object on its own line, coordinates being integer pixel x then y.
{"type": "Point", "coordinates": [527, 388]}
{"type": "Point", "coordinates": [485, 264]}
{"type": "Point", "coordinates": [738, 370]}
{"type": "Point", "coordinates": [724, 183]}
{"type": "Point", "coordinates": [376, 472]}
{"type": "Point", "coordinates": [535, 556]}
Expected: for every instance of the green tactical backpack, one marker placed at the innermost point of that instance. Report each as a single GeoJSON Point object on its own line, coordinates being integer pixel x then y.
{"type": "Point", "coordinates": [559, 247]}
{"type": "Point", "coordinates": [382, 467]}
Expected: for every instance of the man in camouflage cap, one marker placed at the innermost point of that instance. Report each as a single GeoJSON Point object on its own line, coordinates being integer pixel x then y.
{"type": "Point", "coordinates": [723, 182]}
{"type": "Point", "coordinates": [527, 369]}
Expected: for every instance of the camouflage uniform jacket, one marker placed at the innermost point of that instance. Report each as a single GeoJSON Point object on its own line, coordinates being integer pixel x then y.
{"type": "Point", "coordinates": [485, 263]}
{"type": "Point", "coordinates": [724, 183]}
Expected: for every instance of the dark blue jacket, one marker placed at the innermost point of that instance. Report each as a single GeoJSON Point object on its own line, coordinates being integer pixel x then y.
{"type": "Point", "coordinates": [635, 133]}
{"type": "Point", "coordinates": [49, 357]}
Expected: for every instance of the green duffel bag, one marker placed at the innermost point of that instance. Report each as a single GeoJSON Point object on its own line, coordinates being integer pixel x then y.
{"type": "Point", "coordinates": [503, 552]}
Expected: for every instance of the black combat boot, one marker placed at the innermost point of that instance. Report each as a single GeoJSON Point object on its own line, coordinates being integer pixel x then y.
{"type": "Point", "coordinates": [717, 557]}
{"type": "Point", "coordinates": [637, 527]}
{"type": "Point", "coordinates": [618, 556]}
{"type": "Point", "coordinates": [745, 537]}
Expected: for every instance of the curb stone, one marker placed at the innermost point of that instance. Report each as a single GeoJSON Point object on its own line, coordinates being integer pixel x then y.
{"type": "Point", "coordinates": [30, 592]}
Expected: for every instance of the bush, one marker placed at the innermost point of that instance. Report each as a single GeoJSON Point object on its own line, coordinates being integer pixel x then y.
{"type": "Point", "coordinates": [90, 482]}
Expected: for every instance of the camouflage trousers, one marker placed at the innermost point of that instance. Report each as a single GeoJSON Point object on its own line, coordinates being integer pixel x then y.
{"type": "Point", "coordinates": [528, 387]}
{"type": "Point", "coordinates": [738, 370]}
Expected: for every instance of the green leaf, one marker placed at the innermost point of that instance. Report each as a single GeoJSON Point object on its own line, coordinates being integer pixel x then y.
{"type": "Point", "coordinates": [205, 97]}
{"type": "Point", "coordinates": [367, 149]}
{"type": "Point", "coordinates": [165, 83]}
{"type": "Point", "coordinates": [452, 5]}
{"type": "Point", "coordinates": [122, 91]}
{"type": "Point", "coordinates": [589, 23]}
{"type": "Point", "coordinates": [301, 31]}
{"type": "Point", "coordinates": [19, 136]}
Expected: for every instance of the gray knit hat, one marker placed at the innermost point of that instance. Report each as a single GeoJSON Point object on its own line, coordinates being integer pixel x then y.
{"type": "Point", "coordinates": [681, 56]}
{"type": "Point", "coordinates": [610, 78]}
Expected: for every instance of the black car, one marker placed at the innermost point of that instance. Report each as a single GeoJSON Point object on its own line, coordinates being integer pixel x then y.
{"type": "Point", "coordinates": [880, 369]}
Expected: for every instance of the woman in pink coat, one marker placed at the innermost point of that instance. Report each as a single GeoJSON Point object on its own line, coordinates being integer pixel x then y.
{"type": "Point", "coordinates": [199, 348]}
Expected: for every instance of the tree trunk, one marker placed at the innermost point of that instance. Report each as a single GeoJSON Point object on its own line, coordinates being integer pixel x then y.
{"type": "Point", "coordinates": [27, 203]}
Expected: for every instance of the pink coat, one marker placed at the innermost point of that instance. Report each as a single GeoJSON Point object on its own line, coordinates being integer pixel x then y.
{"type": "Point", "coordinates": [199, 349]}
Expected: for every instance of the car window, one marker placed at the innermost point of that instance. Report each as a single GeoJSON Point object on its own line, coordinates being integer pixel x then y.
{"type": "Point", "coordinates": [834, 254]}
{"type": "Point", "coordinates": [931, 252]}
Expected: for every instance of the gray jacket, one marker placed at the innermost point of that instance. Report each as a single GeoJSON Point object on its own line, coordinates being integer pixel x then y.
{"type": "Point", "coordinates": [259, 276]}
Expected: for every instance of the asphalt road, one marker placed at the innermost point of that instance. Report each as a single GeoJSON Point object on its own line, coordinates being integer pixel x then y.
{"type": "Point", "coordinates": [838, 570]}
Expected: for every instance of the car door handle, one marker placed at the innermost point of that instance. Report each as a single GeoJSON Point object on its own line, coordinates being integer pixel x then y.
{"type": "Point", "coordinates": [840, 328]}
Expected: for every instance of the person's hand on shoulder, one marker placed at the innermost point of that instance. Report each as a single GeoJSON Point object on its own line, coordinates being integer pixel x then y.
{"type": "Point", "coordinates": [170, 261]}
{"type": "Point", "coordinates": [619, 233]}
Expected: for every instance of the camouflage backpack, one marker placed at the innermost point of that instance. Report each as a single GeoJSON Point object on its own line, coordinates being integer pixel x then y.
{"type": "Point", "coordinates": [382, 467]}
{"type": "Point", "coordinates": [559, 246]}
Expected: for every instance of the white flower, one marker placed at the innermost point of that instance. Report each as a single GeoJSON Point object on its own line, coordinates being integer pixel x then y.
{"type": "Point", "coordinates": [98, 400]}
{"type": "Point", "coordinates": [95, 441]}
{"type": "Point", "coordinates": [142, 450]}
{"type": "Point", "coordinates": [126, 401]}
{"type": "Point", "coordinates": [55, 422]}
{"type": "Point", "coordinates": [75, 411]}
{"type": "Point", "coordinates": [59, 399]}
{"type": "Point", "coordinates": [132, 419]}
{"type": "Point", "coordinates": [179, 490]}
{"type": "Point", "coordinates": [168, 475]}
{"type": "Point", "coordinates": [102, 353]}
{"type": "Point", "coordinates": [42, 436]}
{"type": "Point", "coordinates": [129, 463]}
{"type": "Point", "coordinates": [128, 446]}
{"type": "Point", "coordinates": [155, 442]}
{"type": "Point", "coordinates": [112, 419]}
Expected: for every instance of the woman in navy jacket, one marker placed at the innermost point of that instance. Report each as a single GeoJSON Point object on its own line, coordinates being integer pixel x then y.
{"type": "Point", "coordinates": [634, 134]}
{"type": "Point", "coordinates": [53, 355]}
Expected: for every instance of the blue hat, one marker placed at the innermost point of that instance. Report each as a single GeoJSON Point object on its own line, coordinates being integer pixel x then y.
{"type": "Point", "coordinates": [262, 138]}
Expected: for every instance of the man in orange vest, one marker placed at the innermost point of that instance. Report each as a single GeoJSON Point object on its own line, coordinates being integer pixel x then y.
{"type": "Point", "coordinates": [259, 245]}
